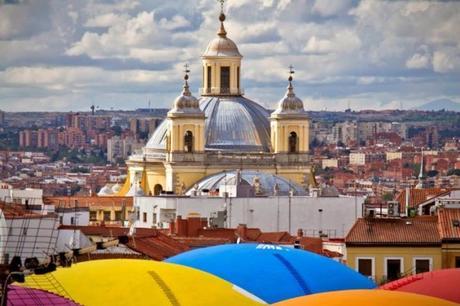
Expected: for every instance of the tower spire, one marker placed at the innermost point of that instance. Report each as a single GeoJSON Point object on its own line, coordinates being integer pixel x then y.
{"type": "Point", "coordinates": [222, 32]}
{"type": "Point", "coordinates": [186, 91]}
{"type": "Point", "coordinates": [420, 175]}
{"type": "Point", "coordinates": [290, 88]}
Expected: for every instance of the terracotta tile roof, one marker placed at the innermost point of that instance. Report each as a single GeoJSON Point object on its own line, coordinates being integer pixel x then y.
{"type": "Point", "coordinates": [200, 242]}
{"type": "Point", "coordinates": [66, 202]}
{"type": "Point", "coordinates": [157, 247]}
{"type": "Point", "coordinates": [274, 237]}
{"type": "Point", "coordinates": [449, 223]}
{"type": "Point", "coordinates": [150, 242]}
{"type": "Point", "coordinates": [418, 231]}
{"type": "Point", "coordinates": [17, 211]}
{"type": "Point", "coordinates": [418, 196]}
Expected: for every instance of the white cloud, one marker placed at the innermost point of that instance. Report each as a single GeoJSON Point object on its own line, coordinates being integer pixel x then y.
{"type": "Point", "coordinates": [418, 61]}
{"type": "Point", "coordinates": [331, 7]}
{"type": "Point", "coordinates": [133, 48]}
{"type": "Point", "coordinates": [444, 62]}
{"type": "Point", "coordinates": [106, 20]}
{"type": "Point", "coordinates": [344, 41]}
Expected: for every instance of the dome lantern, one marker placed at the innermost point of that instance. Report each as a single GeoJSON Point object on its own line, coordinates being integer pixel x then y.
{"type": "Point", "coordinates": [186, 103]}
{"type": "Point", "coordinates": [290, 125]}
{"type": "Point", "coordinates": [290, 103]}
{"type": "Point", "coordinates": [221, 64]}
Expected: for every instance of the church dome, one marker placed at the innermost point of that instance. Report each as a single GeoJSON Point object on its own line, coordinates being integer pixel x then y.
{"type": "Point", "coordinates": [186, 103]}
{"type": "Point", "coordinates": [232, 123]}
{"type": "Point", "coordinates": [290, 103]}
{"type": "Point", "coordinates": [105, 191]}
{"type": "Point", "coordinates": [268, 182]}
{"type": "Point", "coordinates": [116, 188]}
{"type": "Point", "coordinates": [222, 45]}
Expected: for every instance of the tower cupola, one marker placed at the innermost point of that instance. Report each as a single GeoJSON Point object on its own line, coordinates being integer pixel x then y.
{"type": "Point", "coordinates": [221, 65]}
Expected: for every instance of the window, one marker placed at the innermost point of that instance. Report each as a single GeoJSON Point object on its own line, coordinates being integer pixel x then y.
{"type": "Point", "coordinates": [106, 215]}
{"type": "Point", "coordinates": [457, 262]}
{"type": "Point", "coordinates": [61, 219]}
{"type": "Point", "coordinates": [157, 189]}
{"type": "Point", "coordinates": [393, 268]}
{"type": "Point", "coordinates": [209, 78]}
{"type": "Point", "coordinates": [72, 220]}
{"type": "Point", "coordinates": [422, 264]}
{"type": "Point", "coordinates": [92, 216]}
{"type": "Point", "coordinates": [24, 231]}
{"type": "Point", "coordinates": [154, 218]}
{"type": "Point", "coordinates": [365, 266]}
{"type": "Point", "coordinates": [224, 79]}
{"type": "Point", "coordinates": [118, 215]}
{"type": "Point", "coordinates": [238, 77]}
{"type": "Point", "coordinates": [188, 142]}
{"type": "Point", "coordinates": [144, 217]}
{"type": "Point", "coordinates": [293, 142]}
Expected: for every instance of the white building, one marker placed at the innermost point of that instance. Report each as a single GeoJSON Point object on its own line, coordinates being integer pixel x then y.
{"type": "Point", "coordinates": [333, 216]}
{"type": "Point", "coordinates": [358, 159]}
{"type": "Point", "coordinates": [118, 148]}
{"type": "Point", "coordinates": [27, 196]}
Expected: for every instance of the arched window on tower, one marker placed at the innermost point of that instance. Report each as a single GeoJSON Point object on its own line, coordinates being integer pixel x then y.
{"type": "Point", "coordinates": [157, 189]}
{"type": "Point", "coordinates": [188, 141]}
{"type": "Point", "coordinates": [293, 142]}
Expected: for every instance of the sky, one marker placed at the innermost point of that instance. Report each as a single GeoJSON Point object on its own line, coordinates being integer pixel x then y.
{"type": "Point", "coordinates": [62, 55]}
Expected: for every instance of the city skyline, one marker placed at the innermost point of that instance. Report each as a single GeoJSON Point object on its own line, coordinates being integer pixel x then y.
{"type": "Point", "coordinates": [123, 54]}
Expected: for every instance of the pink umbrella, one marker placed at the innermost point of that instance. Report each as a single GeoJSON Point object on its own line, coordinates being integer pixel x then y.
{"type": "Point", "coordinates": [28, 296]}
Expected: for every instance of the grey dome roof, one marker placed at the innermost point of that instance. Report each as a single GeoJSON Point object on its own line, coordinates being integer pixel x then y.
{"type": "Point", "coordinates": [267, 181]}
{"type": "Point", "coordinates": [233, 123]}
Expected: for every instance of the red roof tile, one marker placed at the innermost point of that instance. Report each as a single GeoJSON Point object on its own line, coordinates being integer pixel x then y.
{"type": "Point", "coordinates": [449, 223]}
{"type": "Point", "coordinates": [150, 242]}
{"type": "Point", "coordinates": [418, 231]}
{"type": "Point", "coordinates": [418, 196]}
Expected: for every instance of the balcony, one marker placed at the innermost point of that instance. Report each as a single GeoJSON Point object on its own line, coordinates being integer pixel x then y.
{"type": "Point", "coordinates": [216, 91]}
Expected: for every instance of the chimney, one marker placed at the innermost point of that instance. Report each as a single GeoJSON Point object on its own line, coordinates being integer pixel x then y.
{"type": "Point", "coordinates": [172, 228]}
{"type": "Point", "coordinates": [299, 233]}
{"type": "Point", "coordinates": [407, 200]}
{"type": "Point", "coordinates": [181, 227]}
{"type": "Point", "coordinates": [242, 231]}
{"type": "Point", "coordinates": [193, 226]}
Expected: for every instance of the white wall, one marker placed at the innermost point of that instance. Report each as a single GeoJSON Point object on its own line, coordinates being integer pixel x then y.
{"type": "Point", "coordinates": [71, 239]}
{"type": "Point", "coordinates": [33, 196]}
{"type": "Point", "coordinates": [267, 213]}
{"type": "Point", "coordinates": [80, 217]}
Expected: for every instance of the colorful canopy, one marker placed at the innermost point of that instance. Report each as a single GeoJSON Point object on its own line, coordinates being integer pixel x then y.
{"type": "Point", "coordinates": [273, 273]}
{"type": "Point", "coordinates": [366, 298]}
{"type": "Point", "coordinates": [20, 296]}
{"type": "Point", "coordinates": [139, 282]}
{"type": "Point", "coordinates": [443, 284]}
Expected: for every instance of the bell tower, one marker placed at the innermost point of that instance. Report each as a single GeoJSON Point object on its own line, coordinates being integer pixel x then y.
{"type": "Point", "coordinates": [290, 125]}
{"type": "Point", "coordinates": [186, 123]}
{"type": "Point", "coordinates": [221, 64]}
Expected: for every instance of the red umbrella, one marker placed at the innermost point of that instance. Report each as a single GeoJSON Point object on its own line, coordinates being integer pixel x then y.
{"type": "Point", "coordinates": [444, 284]}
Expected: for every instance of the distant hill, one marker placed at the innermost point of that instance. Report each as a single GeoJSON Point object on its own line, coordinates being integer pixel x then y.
{"type": "Point", "coordinates": [440, 104]}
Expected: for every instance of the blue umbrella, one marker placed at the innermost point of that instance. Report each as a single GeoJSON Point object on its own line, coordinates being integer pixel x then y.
{"type": "Point", "coordinates": [273, 273]}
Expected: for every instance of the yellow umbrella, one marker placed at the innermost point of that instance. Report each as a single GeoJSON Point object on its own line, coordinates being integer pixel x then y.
{"type": "Point", "coordinates": [372, 297]}
{"type": "Point", "coordinates": [139, 282]}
